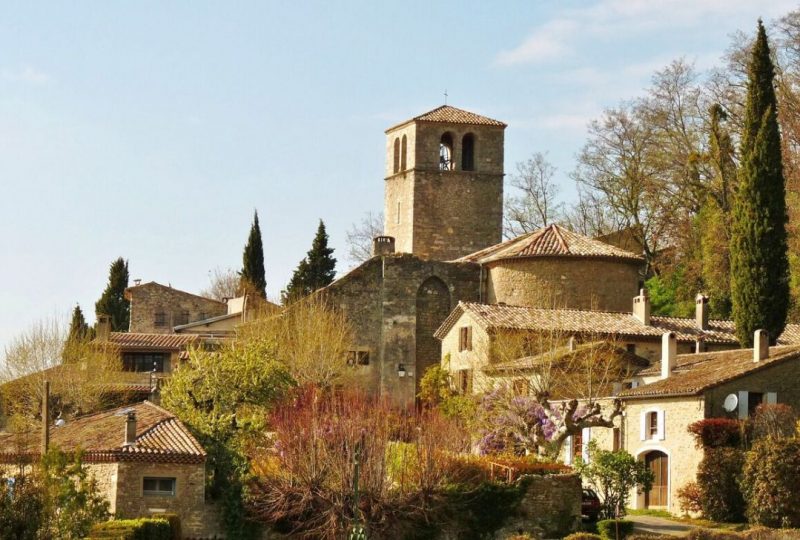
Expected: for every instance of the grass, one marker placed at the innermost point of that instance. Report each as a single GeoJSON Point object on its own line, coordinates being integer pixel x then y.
{"type": "Point", "coordinates": [649, 512]}
{"type": "Point", "coordinates": [694, 522]}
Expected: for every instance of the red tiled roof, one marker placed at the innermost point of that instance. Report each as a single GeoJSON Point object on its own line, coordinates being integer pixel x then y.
{"type": "Point", "coordinates": [452, 115]}
{"type": "Point", "coordinates": [599, 323]}
{"type": "Point", "coordinates": [695, 373]}
{"type": "Point", "coordinates": [136, 340]}
{"type": "Point", "coordinates": [160, 437]}
{"type": "Point", "coordinates": [551, 241]}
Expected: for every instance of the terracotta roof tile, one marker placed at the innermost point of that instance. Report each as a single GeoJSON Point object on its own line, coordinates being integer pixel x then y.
{"type": "Point", "coordinates": [452, 115]}
{"type": "Point", "coordinates": [695, 373]}
{"type": "Point", "coordinates": [160, 437]}
{"type": "Point", "coordinates": [599, 323]}
{"type": "Point", "coordinates": [551, 241]}
{"type": "Point", "coordinates": [136, 340]}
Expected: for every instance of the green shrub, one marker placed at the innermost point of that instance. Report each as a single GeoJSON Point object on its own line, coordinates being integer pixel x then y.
{"type": "Point", "coordinates": [649, 536]}
{"type": "Point", "coordinates": [583, 536]}
{"type": "Point", "coordinates": [689, 497]}
{"type": "Point", "coordinates": [133, 529]}
{"type": "Point", "coordinates": [718, 479]}
{"type": "Point", "coordinates": [608, 528]}
{"type": "Point", "coordinates": [770, 479]}
{"type": "Point", "coordinates": [763, 533]}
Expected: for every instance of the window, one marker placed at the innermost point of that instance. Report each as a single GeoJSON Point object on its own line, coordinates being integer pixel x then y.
{"type": "Point", "coordinates": [398, 213]}
{"type": "Point", "coordinates": [182, 317]}
{"type": "Point", "coordinates": [358, 358]}
{"type": "Point", "coordinates": [754, 399]}
{"type": "Point", "coordinates": [141, 362]}
{"type": "Point", "coordinates": [160, 319]}
{"type": "Point", "coordinates": [396, 167]}
{"type": "Point", "coordinates": [652, 425]}
{"type": "Point", "coordinates": [631, 348]}
{"type": "Point", "coordinates": [403, 153]}
{"type": "Point", "coordinates": [446, 152]}
{"type": "Point", "coordinates": [521, 387]}
{"type": "Point", "coordinates": [159, 487]}
{"type": "Point", "coordinates": [468, 152]}
{"type": "Point", "coordinates": [465, 338]}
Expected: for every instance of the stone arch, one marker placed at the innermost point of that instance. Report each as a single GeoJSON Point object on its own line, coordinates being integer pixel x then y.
{"type": "Point", "coordinates": [396, 156]}
{"type": "Point", "coordinates": [468, 152]}
{"type": "Point", "coordinates": [658, 460]}
{"type": "Point", "coordinates": [403, 153]}
{"type": "Point", "coordinates": [433, 307]}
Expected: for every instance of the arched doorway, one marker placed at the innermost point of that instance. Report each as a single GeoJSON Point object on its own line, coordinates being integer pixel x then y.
{"type": "Point", "coordinates": [433, 307]}
{"type": "Point", "coordinates": [658, 496]}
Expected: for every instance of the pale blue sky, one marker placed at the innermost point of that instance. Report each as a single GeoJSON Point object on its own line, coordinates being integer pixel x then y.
{"type": "Point", "coordinates": [152, 130]}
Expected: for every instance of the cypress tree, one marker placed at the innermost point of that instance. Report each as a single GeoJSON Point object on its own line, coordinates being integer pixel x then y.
{"type": "Point", "coordinates": [316, 270]}
{"type": "Point", "coordinates": [78, 329]}
{"type": "Point", "coordinates": [759, 263]}
{"type": "Point", "coordinates": [252, 273]}
{"type": "Point", "coordinates": [113, 301]}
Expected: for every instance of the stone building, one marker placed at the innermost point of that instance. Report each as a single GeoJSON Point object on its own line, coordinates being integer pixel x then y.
{"type": "Point", "coordinates": [158, 309]}
{"type": "Point", "coordinates": [444, 183]}
{"type": "Point", "coordinates": [145, 461]}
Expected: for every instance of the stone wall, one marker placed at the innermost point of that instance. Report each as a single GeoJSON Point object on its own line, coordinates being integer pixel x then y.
{"type": "Point", "coordinates": [188, 502]}
{"type": "Point", "coordinates": [381, 299]}
{"type": "Point", "coordinates": [179, 307]}
{"type": "Point", "coordinates": [551, 508]}
{"type": "Point", "coordinates": [677, 443]}
{"type": "Point", "coordinates": [566, 282]}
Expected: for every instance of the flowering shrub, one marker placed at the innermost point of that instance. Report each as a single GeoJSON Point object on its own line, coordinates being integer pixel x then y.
{"type": "Point", "coordinates": [717, 432]}
{"type": "Point", "coordinates": [512, 424]}
{"type": "Point", "coordinates": [689, 496]}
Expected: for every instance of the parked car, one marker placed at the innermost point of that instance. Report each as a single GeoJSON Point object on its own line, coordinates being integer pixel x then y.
{"type": "Point", "coordinates": [590, 505]}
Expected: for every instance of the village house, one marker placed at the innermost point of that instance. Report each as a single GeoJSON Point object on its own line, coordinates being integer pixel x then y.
{"type": "Point", "coordinates": [144, 459]}
{"type": "Point", "coordinates": [681, 389]}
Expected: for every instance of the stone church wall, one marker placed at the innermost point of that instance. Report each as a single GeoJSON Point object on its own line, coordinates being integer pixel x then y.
{"type": "Point", "coordinates": [567, 282]}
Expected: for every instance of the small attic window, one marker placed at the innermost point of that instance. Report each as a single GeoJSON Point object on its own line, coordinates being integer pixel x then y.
{"type": "Point", "coordinates": [446, 152]}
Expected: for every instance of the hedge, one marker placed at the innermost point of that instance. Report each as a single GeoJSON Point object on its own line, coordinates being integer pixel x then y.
{"type": "Point", "coordinates": [160, 528]}
{"type": "Point", "coordinates": [583, 536]}
{"type": "Point", "coordinates": [608, 528]}
{"type": "Point", "coordinates": [770, 482]}
{"type": "Point", "coordinates": [717, 432]}
{"type": "Point", "coordinates": [718, 480]}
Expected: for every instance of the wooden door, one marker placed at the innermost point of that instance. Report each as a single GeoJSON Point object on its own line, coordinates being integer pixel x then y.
{"type": "Point", "coordinates": [658, 463]}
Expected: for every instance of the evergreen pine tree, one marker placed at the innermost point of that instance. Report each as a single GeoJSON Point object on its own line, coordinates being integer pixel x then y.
{"type": "Point", "coordinates": [253, 261]}
{"type": "Point", "coordinates": [759, 263]}
{"type": "Point", "coordinates": [78, 329]}
{"type": "Point", "coordinates": [316, 270]}
{"type": "Point", "coordinates": [113, 301]}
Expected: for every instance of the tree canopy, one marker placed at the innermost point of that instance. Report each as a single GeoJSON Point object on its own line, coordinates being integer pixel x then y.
{"type": "Point", "coordinates": [316, 270]}
{"type": "Point", "coordinates": [113, 301]}
{"type": "Point", "coordinates": [252, 274]}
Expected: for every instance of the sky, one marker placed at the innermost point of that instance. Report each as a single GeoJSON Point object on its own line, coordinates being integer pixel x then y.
{"type": "Point", "coordinates": [154, 130]}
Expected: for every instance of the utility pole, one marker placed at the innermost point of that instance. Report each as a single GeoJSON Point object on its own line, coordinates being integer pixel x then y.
{"type": "Point", "coordinates": [45, 416]}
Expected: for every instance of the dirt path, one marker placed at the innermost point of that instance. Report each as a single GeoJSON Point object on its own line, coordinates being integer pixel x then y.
{"type": "Point", "coordinates": [657, 525]}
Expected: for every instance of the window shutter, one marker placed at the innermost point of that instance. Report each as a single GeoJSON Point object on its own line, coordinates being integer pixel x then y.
{"type": "Point", "coordinates": [587, 436]}
{"type": "Point", "coordinates": [743, 405]}
{"type": "Point", "coordinates": [643, 426]}
{"type": "Point", "coordinates": [771, 398]}
{"type": "Point", "coordinates": [568, 451]}
{"type": "Point", "coordinates": [469, 338]}
{"type": "Point", "coordinates": [661, 426]}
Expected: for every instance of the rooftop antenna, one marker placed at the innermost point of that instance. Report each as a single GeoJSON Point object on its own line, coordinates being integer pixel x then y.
{"type": "Point", "coordinates": [445, 96]}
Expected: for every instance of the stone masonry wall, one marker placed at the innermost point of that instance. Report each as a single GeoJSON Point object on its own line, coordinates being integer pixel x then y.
{"type": "Point", "coordinates": [188, 502]}
{"type": "Point", "coordinates": [551, 508]}
{"type": "Point", "coordinates": [781, 379]}
{"type": "Point", "coordinates": [379, 299]}
{"type": "Point", "coordinates": [573, 283]}
{"type": "Point", "coordinates": [150, 298]}
{"type": "Point", "coordinates": [678, 444]}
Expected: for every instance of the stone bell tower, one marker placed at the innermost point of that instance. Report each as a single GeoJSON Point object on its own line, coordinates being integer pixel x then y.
{"type": "Point", "coordinates": [444, 183]}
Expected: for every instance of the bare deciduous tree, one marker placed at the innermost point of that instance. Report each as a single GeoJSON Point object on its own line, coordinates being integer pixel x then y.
{"type": "Point", "coordinates": [359, 237]}
{"type": "Point", "coordinates": [223, 284]}
{"type": "Point", "coordinates": [535, 202]}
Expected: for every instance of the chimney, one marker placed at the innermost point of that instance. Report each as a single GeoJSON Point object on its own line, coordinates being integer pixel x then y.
{"type": "Point", "coordinates": [641, 307]}
{"type": "Point", "coordinates": [45, 416]}
{"type": "Point", "coordinates": [760, 345]}
{"type": "Point", "coordinates": [701, 311]}
{"type": "Point", "coordinates": [700, 345]}
{"type": "Point", "coordinates": [382, 245]}
{"type": "Point", "coordinates": [669, 351]}
{"type": "Point", "coordinates": [130, 429]}
{"type": "Point", "coordinates": [571, 343]}
{"type": "Point", "coordinates": [103, 327]}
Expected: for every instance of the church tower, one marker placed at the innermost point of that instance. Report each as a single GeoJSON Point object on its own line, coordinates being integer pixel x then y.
{"type": "Point", "coordinates": [444, 184]}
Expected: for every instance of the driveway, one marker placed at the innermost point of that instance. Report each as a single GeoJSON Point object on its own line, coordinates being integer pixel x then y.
{"type": "Point", "coordinates": [657, 525]}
